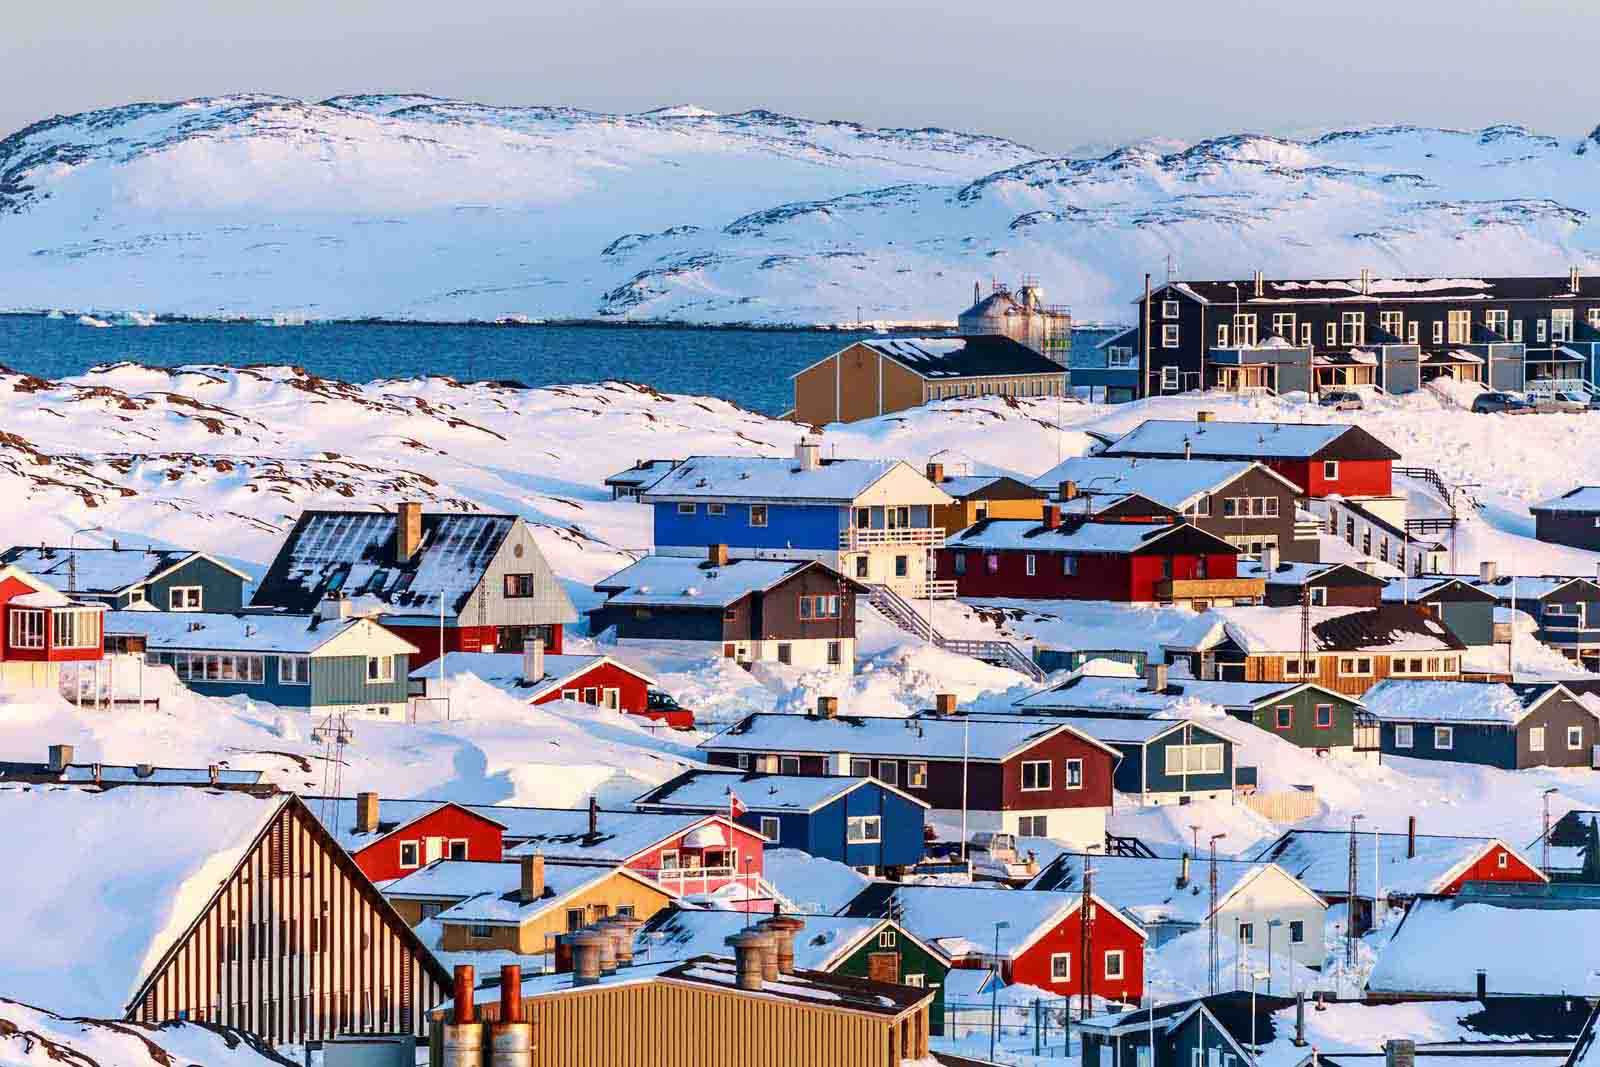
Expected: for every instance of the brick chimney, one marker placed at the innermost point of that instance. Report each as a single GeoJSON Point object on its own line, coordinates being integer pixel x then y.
{"type": "Point", "coordinates": [944, 704]}
{"type": "Point", "coordinates": [1155, 677]}
{"type": "Point", "coordinates": [1069, 490]}
{"type": "Point", "coordinates": [827, 707]}
{"type": "Point", "coordinates": [936, 473]}
{"type": "Point", "coordinates": [1052, 516]}
{"type": "Point", "coordinates": [366, 813]}
{"type": "Point", "coordinates": [717, 555]}
{"type": "Point", "coordinates": [407, 530]}
{"type": "Point", "coordinates": [60, 756]}
{"type": "Point", "coordinates": [532, 887]}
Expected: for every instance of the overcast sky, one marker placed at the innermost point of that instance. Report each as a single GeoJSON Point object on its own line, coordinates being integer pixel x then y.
{"type": "Point", "coordinates": [1053, 75]}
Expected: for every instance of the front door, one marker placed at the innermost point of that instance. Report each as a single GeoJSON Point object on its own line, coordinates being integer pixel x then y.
{"type": "Point", "coordinates": [884, 967]}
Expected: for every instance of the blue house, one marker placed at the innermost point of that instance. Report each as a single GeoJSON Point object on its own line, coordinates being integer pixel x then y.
{"type": "Point", "coordinates": [1108, 372]}
{"type": "Point", "coordinates": [870, 520]}
{"type": "Point", "coordinates": [1511, 726]}
{"type": "Point", "coordinates": [165, 579]}
{"type": "Point", "coordinates": [856, 821]}
{"type": "Point", "coordinates": [320, 664]}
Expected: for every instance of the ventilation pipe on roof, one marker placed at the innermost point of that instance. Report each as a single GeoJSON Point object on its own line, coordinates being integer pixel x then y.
{"type": "Point", "coordinates": [1204, 416]}
{"type": "Point", "coordinates": [1483, 984]}
{"type": "Point", "coordinates": [1366, 281]}
{"type": "Point", "coordinates": [366, 813]}
{"type": "Point", "coordinates": [1261, 283]}
{"type": "Point", "coordinates": [1411, 837]}
{"type": "Point", "coordinates": [1300, 1019]}
{"type": "Point", "coordinates": [214, 772]}
{"type": "Point", "coordinates": [1155, 676]}
{"type": "Point", "coordinates": [1183, 872]}
{"type": "Point", "coordinates": [749, 946]}
{"type": "Point", "coordinates": [594, 816]}
{"type": "Point", "coordinates": [1052, 516]}
{"type": "Point", "coordinates": [532, 660]}
{"type": "Point", "coordinates": [143, 770]}
{"type": "Point", "coordinates": [1400, 1052]}
{"type": "Point", "coordinates": [1188, 448]}
{"type": "Point", "coordinates": [784, 930]}
{"type": "Point", "coordinates": [1574, 279]}
{"type": "Point", "coordinates": [1069, 490]}
{"type": "Point", "coordinates": [944, 704]}
{"type": "Point", "coordinates": [60, 756]}
{"type": "Point", "coordinates": [827, 707]}
{"type": "Point", "coordinates": [510, 1038]}
{"type": "Point", "coordinates": [1488, 571]}
{"type": "Point", "coordinates": [461, 1042]}
{"type": "Point", "coordinates": [1269, 559]}
{"type": "Point", "coordinates": [809, 452]}
{"type": "Point", "coordinates": [936, 473]}
{"type": "Point", "coordinates": [586, 957]}
{"type": "Point", "coordinates": [717, 555]}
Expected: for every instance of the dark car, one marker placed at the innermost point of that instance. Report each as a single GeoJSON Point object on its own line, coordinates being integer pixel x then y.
{"type": "Point", "coordinates": [661, 707]}
{"type": "Point", "coordinates": [1485, 403]}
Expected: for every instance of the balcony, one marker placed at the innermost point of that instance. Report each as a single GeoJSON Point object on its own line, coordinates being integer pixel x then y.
{"type": "Point", "coordinates": [856, 538]}
{"type": "Point", "coordinates": [1174, 589]}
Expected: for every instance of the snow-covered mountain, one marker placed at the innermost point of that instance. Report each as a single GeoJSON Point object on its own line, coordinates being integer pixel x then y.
{"type": "Point", "coordinates": [416, 207]}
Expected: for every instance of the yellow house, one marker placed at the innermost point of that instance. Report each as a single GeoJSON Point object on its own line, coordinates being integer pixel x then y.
{"type": "Point", "coordinates": [878, 376]}
{"type": "Point", "coordinates": [975, 497]}
{"type": "Point", "coordinates": [519, 907]}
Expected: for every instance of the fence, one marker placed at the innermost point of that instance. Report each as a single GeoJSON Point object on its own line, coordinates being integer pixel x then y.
{"type": "Point", "coordinates": [1290, 805]}
{"type": "Point", "coordinates": [1037, 1027]}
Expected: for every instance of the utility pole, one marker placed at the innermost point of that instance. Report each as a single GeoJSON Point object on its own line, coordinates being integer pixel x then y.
{"type": "Point", "coordinates": [1144, 360]}
{"type": "Point", "coordinates": [1211, 919]}
{"type": "Point", "coordinates": [1350, 915]}
{"type": "Point", "coordinates": [1086, 936]}
{"type": "Point", "coordinates": [1544, 852]}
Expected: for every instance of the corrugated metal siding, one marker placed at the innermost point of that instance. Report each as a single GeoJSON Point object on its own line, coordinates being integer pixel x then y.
{"type": "Point", "coordinates": [343, 680]}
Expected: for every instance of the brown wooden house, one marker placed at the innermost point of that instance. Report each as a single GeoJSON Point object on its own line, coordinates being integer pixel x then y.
{"type": "Point", "coordinates": [1332, 585]}
{"type": "Point", "coordinates": [983, 496]}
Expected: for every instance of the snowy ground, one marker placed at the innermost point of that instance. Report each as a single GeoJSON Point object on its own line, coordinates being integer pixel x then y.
{"type": "Point", "coordinates": [33, 1037]}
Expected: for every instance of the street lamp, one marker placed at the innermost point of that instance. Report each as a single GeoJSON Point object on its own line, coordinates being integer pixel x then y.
{"type": "Point", "coordinates": [994, 990]}
{"type": "Point", "coordinates": [1272, 926]}
{"type": "Point", "coordinates": [1254, 978]}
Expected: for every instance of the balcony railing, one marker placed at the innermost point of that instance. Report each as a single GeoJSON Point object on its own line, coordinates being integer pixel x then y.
{"type": "Point", "coordinates": [857, 538]}
{"type": "Point", "coordinates": [1209, 588]}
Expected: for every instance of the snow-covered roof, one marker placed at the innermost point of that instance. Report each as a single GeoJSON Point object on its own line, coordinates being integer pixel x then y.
{"type": "Point", "coordinates": [1297, 573]}
{"type": "Point", "coordinates": [1442, 944]}
{"type": "Point", "coordinates": [1070, 536]}
{"type": "Point", "coordinates": [1148, 889]}
{"type": "Point", "coordinates": [644, 472]}
{"type": "Point", "coordinates": [104, 571]}
{"type": "Point", "coordinates": [503, 670]}
{"type": "Point", "coordinates": [46, 598]}
{"type": "Point", "coordinates": [680, 934]}
{"type": "Point", "coordinates": [1102, 693]}
{"type": "Point", "coordinates": [781, 479]}
{"type": "Point", "coordinates": [1524, 586]}
{"type": "Point", "coordinates": [1171, 482]}
{"type": "Point", "coordinates": [458, 879]}
{"type": "Point", "coordinates": [689, 581]}
{"type": "Point", "coordinates": [1255, 440]}
{"type": "Point", "coordinates": [486, 893]}
{"type": "Point", "coordinates": [1390, 628]}
{"type": "Point", "coordinates": [923, 737]}
{"type": "Point", "coordinates": [217, 631]}
{"type": "Point", "coordinates": [960, 920]}
{"type": "Point", "coordinates": [105, 882]}
{"type": "Point", "coordinates": [1409, 700]}
{"type": "Point", "coordinates": [972, 356]}
{"type": "Point", "coordinates": [1585, 498]}
{"type": "Point", "coordinates": [710, 790]}
{"type": "Point", "coordinates": [1321, 860]}
{"type": "Point", "coordinates": [1114, 730]}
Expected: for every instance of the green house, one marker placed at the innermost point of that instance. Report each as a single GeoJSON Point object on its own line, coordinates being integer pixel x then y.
{"type": "Point", "coordinates": [877, 949]}
{"type": "Point", "coordinates": [1310, 716]}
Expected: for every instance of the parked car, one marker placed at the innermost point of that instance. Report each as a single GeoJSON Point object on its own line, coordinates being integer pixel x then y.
{"type": "Point", "coordinates": [1341, 400]}
{"type": "Point", "coordinates": [1486, 403]}
{"type": "Point", "coordinates": [1564, 401]}
{"type": "Point", "coordinates": [660, 706]}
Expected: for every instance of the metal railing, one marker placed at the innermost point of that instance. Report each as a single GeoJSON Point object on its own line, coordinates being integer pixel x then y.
{"type": "Point", "coordinates": [903, 614]}
{"type": "Point", "coordinates": [857, 537]}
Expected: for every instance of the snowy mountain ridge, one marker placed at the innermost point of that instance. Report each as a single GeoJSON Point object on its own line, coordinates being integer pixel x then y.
{"type": "Point", "coordinates": [412, 206]}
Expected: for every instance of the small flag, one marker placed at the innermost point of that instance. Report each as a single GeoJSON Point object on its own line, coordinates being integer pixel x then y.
{"type": "Point", "coordinates": [735, 809]}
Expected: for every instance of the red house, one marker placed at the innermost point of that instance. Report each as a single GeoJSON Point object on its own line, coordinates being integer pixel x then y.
{"type": "Point", "coordinates": [42, 629]}
{"type": "Point", "coordinates": [1077, 560]}
{"type": "Point", "coordinates": [1043, 944]}
{"type": "Point", "coordinates": [1323, 459]}
{"type": "Point", "coordinates": [586, 679]}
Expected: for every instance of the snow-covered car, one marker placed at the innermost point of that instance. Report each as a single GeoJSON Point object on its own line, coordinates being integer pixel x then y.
{"type": "Point", "coordinates": [1487, 403]}
{"type": "Point", "coordinates": [1341, 400]}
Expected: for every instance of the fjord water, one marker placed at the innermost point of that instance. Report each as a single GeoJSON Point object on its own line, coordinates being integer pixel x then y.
{"type": "Point", "coordinates": [749, 367]}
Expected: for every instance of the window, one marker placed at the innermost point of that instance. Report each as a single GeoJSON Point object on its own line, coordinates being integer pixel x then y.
{"type": "Point", "coordinates": [1392, 323]}
{"type": "Point", "coordinates": [835, 653]}
{"type": "Point", "coordinates": [1305, 335]}
{"type": "Point", "coordinates": [1403, 735]}
{"type": "Point", "coordinates": [1324, 716]}
{"type": "Point", "coordinates": [716, 509]}
{"type": "Point", "coordinates": [889, 771]}
{"type": "Point", "coordinates": [591, 694]}
{"type": "Point", "coordinates": [1169, 309]}
{"type": "Point", "coordinates": [1297, 932]}
{"type": "Point", "coordinates": [570, 694]}
{"type": "Point", "coordinates": [861, 567]}
{"type": "Point", "coordinates": [1438, 333]}
{"type": "Point", "coordinates": [1285, 718]}
{"type": "Point", "coordinates": [1120, 358]}
{"type": "Point", "coordinates": [1412, 335]}
{"type": "Point", "coordinates": [458, 848]}
{"type": "Point", "coordinates": [183, 598]}
{"type": "Point", "coordinates": [1536, 739]}
{"type": "Point", "coordinates": [1194, 759]}
{"type": "Point", "coordinates": [1198, 508]}
{"type": "Point", "coordinates": [1069, 566]}
{"type": "Point", "coordinates": [1074, 773]}
{"type": "Point", "coordinates": [863, 830]}
{"type": "Point", "coordinates": [902, 566]}
{"type": "Point", "coordinates": [1247, 933]}
{"type": "Point", "coordinates": [1222, 336]}
{"type": "Point", "coordinates": [1355, 666]}
{"type": "Point", "coordinates": [1575, 738]}
{"type": "Point", "coordinates": [1283, 325]}
{"type": "Point", "coordinates": [788, 764]}
{"type": "Point", "coordinates": [960, 560]}
{"type": "Point", "coordinates": [860, 768]}
{"type": "Point", "coordinates": [1030, 563]}
{"type": "Point", "coordinates": [886, 939]}
{"type": "Point", "coordinates": [785, 653]}
{"type": "Point", "coordinates": [1319, 596]}
{"type": "Point", "coordinates": [1541, 330]}
{"type": "Point", "coordinates": [1035, 775]}
{"type": "Point", "coordinates": [1560, 324]}
{"type": "Point", "coordinates": [819, 607]}
{"type": "Point", "coordinates": [686, 508]}
{"type": "Point", "coordinates": [1032, 826]}
{"type": "Point", "coordinates": [408, 854]}
{"type": "Point", "coordinates": [1516, 331]}
{"type": "Point", "coordinates": [758, 514]}
{"type": "Point", "coordinates": [1500, 860]}
{"type": "Point", "coordinates": [380, 669]}
{"type": "Point", "coordinates": [75, 628]}
{"type": "Point", "coordinates": [916, 774]}
{"type": "Point", "coordinates": [1594, 318]}
{"type": "Point", "coordinates": [1353, 328]}
{"type": "Point", "coordinates": [480, 931]}
{"type": "Point", "coordinates": [1061, 966]}
{"type": "Point", "coordinates": [1169, 375]}
{"type": "Point", "coordinates": [520, 586]}
{"type": "Point", "coordinates": [1444, 738]}
{"type": "Point", "coordinates": [1114, 963]}
{"type": "Point", "coordinates": [1460, 327]}
{"type": "Point", "coordinates": [915, 981]}
{"type": "Point", "coordinates": [1330, 470]}
{"type": "Point", "coordinates": [770, 827]}
{"type": "Point", "coordinates": [742, 760]}
{"type": "Point", "coordinates": [1295, 668]}
{"type": "Point", "coordinates": [294, 670]}
{"type": "Point", "coordinates": [1497, 321]}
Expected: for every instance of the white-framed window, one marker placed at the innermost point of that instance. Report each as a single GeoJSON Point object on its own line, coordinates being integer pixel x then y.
{"type": "Point", "coordinates": [136, 596]}
{"type": "Point", "coordinates": [294, 670]}
{"type": "Point", "coordinates": [860, 768]}
{"type": "Point", "coordinates": [770, 827]}
{"type": "Point", "coordinates": [1594, 318]}
{"type": "Point", "coordinates": [380, 669]}
{"type": "Point", "coordinates": [1222, 336]}
{"type": "Point", "coordinates": [1114, 963]}
{"type": "Point", "coordinates": [1498, 320]}
{"type": "Point", "coordinates": [1319, 596]}
{"type": "Point", "coordinates": [1460, 327]}
{"type": "Point", "coordinates": [915, 981]}
{"type": "Point", "coordinates": [570, 694]}
{"type": "Point", "coordinates": [1353, 328]}
{"type": "Point", "coordinates": [1575, 738]}
{"type": "Point", "coordinates": [1169, 309]}
{"type": "Point", "coordinates": [1516, 331]}
{"type": "Point", "coordinates": [480, 931]}
{"type": "Point", "coordinates": [1541, 330]}
{"type": "Point", "coordinates": [1194, 759]}
{"type": "Point", "coordinates": [456, 848]}
{"type": "Point", "coordinates": [889, 772]}
{"type": "Point", "coordinates": [916, 774]}
{"type": "Point", "coordinates": [183, 598]}
{"type": "Point", "coordinates": [1061, 966]}
{"type": "Point", "coordinates": [716, 509]}
{"type": "Point", "coordinates": [886, 939]}
{"type": "Point", "coordinates": [1169, 378]}
{"type": "Point", "coordinates": [1283, 325]}
{"type": "Point", "coordinates": [1297, 932]}
{"type": "Point", "coordinates": [1330, 470]}
{"type": "Point", "coordinates": [788, 764]}
{"type": "Point", "coordinates": [1355, 666]}
{"type": "Point", "coordinates": [408, 854]}
{"type": "Point", "coordinates": [1560, 324]}
{"type": "Point", "coordinates": [1438, 332]}
{"type": "Point", "coordinates": [1030, 563]}
{"type": "Point", "coordinates": [1121, 357]}
{"type": "Point", "coordinates": [1500, 860]}
{"type": "Point", "coordinates": [1444, 738]}
{"type": "Point", "coordinates": [1247, 933]}
{"type": "Point", "coordinates": [686, 507]}
{"type": "Point", "coordinates": [864, 830]}
{"type": "Point", "coordinates": [1074, 774]}
{"type": "Point", "coordinates": [1403, 735]}
{"type": "Point", "coordinates": [1169, 336]}
{"type": "Point", "coordinates": [1393, 323]}
{"type": "Point", "coordinates": [669, 859]}
{"type": "Point", "coordinates": [1305, 335]}
{"type": "Point", "coordinates": [75, 628]}
{"type": "Point", "coordinates": [1032, 826]}
{"type": "Point", "coordinates": [1536, 739]}
{"type": "Point", "coordinates": [1035, 776]}
{"type": "Point", "coordinates": [1412, 332]}
{"type": "Point", "coordinates": [758, 514]}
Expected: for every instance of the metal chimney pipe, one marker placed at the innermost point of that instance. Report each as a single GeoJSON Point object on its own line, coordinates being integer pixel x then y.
{"type": "Point", "coordinates": [1411, 837]}
{"type": "Point", "coordinates": [511, 1038]}
{"type": "Point", "coordinates": [748, 947]}
{"type": "Point", "coordinates": [461, 1042]}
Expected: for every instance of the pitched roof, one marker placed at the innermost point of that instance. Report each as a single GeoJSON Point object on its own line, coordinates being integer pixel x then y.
{"type": "Point", "coordinates": [488, 893]}
{"type": "Point", "coordinates": [886, 735]}
{"type": "Point", "coordinates": [503, 670]}
{"type": "Point", "coordinates": [1298, 574]}
{"type": "Point", "coordinates": [678, 933]}
{"type": "Point", "coordinates": [1379, 290]}
{"type": "Point", "coordinates": [1102, 693]}
{"type": "Point", "coordinates": [104, 571]}
{"type": "Point", "coordinates": [1120, 538]}
{"type": "Point", "coordinates": [1442, 943]}
{"type": "Point", "coordinates": [1415, 700]}
{"type": "Point", "coordinates": [643, 473]}
{"type": "Point", "coordinates": [693, 582]}
{"type": "Point", "coordinates": [1148, 889]}
{"type": "Point", "coordinates": [1585, 498]}
{"type": "Point", "coordinates": [698, 790]}
{"type": "Point", "coordinates": [960, 919]}
{"type": "Point", "coordinates": [258, 632]}
{"type": "Point", "coordinates": [1173, 483]}
{"type": "Point", "coordinates": [352, 553]}
{"type": "Point", "coordinates": [1321, 860]}
{"type": "Point", "coordinates": [1249, 440]}
{"type": "Point", "coordinates": [778, 478]}
{"type": "Point", "coordinates": [1390, 627]}
{"type": "Point", "coordinates": [973, 356]}
{"type": "Point", "coordinates": [989, 487]}
{"type": "Point", "coordinates": [111, 881]}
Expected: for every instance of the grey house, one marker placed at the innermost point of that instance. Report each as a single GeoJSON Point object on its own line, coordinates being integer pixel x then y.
{"type": "Point", "coordinates": [120, 578]}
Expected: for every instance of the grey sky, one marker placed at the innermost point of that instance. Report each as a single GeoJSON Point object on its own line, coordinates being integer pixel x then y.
{"type": "Point", "coordinates": [1053, 75]}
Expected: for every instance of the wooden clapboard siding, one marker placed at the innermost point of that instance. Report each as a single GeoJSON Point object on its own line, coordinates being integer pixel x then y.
{"type": "Point", "coordinates": [247, 960]}
{"type": "Point", "coordinates": [1268, 667]}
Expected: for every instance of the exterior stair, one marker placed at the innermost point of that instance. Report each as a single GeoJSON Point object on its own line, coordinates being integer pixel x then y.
{"type": "Point", "coordinates": [903, 614]}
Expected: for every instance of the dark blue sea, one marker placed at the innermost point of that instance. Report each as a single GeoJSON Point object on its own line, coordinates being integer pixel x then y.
{"type": "Point", "coordinates": [749, 367]}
